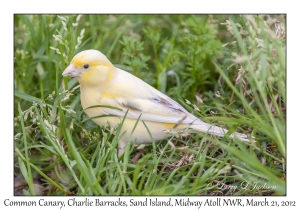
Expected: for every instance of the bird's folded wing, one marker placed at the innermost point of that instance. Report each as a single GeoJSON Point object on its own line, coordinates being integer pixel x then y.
{"type": "Point", "coordinates": [159, 108]}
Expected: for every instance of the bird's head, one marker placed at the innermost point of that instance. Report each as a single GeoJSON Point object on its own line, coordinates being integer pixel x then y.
{"type": "Point", "coordinates": [91, 68]}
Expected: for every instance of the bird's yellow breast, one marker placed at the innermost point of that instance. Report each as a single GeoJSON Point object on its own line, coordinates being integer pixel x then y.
{"type": "Point", "coordinates": [89, 97]}
{"type": "Point", "coordinates": [95, 96]}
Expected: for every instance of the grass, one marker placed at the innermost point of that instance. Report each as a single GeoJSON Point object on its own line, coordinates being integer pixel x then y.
{"type": "Point", "coordinates": [229, 70]}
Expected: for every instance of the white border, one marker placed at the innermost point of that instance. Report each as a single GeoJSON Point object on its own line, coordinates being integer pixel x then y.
{"type": "Point", "coordinates": [153, 6]}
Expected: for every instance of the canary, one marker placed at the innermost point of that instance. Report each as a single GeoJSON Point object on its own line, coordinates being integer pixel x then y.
{"type": "Point", "coordinates": [101, 83]}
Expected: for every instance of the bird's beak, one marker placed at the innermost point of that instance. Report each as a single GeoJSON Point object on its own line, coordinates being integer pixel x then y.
{"type": "Point", "coordinates": [72, 71]}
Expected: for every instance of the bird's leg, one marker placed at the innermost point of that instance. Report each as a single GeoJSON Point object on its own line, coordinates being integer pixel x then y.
{"type": "Point", "coordinates": [121, 148]}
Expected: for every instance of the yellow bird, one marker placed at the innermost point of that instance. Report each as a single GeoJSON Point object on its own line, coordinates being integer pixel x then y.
{"type": "Point", "coordinates": [101, 83]}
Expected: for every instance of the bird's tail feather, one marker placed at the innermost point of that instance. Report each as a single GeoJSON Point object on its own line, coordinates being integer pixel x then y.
{"type": "Point", "coordinates": [217, 131]}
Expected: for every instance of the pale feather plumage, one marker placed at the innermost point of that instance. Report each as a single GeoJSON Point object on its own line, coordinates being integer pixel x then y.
{"type": "Point", "coordinates": [103, 84]}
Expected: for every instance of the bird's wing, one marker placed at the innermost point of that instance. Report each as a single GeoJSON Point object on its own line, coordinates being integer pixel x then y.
{"type": "Point", "coordinates": [142, 100]}
{"type": "Point", "coordinates": [158, 108]}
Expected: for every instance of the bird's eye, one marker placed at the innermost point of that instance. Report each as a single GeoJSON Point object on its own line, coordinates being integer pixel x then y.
{"type": "Point", "coordinates": [86, 66]}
